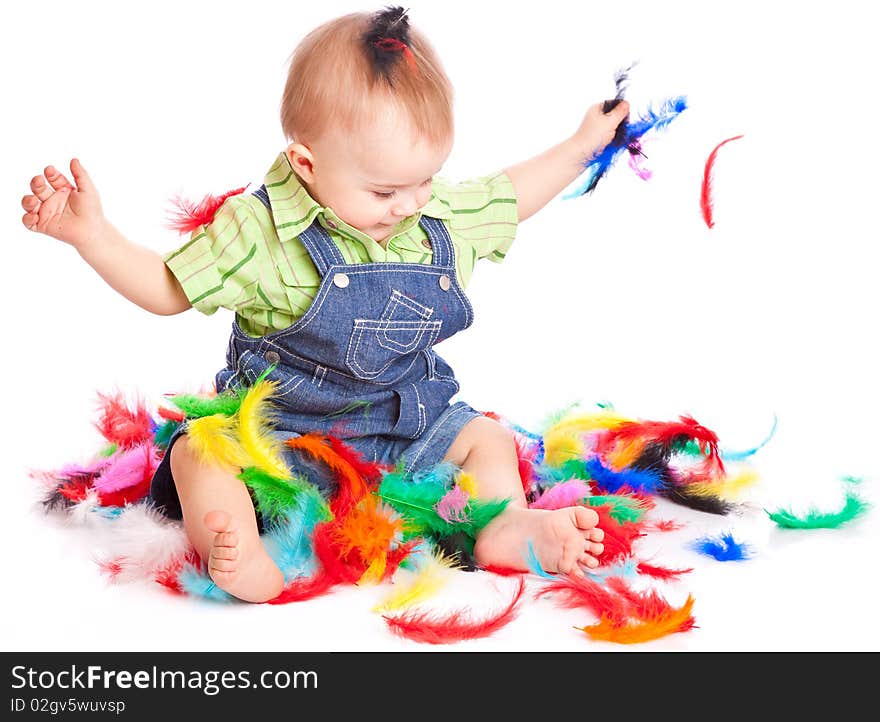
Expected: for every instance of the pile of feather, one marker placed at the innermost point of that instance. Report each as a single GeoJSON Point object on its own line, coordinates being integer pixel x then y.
{"type": "Point", "coordinates": [380, 526]}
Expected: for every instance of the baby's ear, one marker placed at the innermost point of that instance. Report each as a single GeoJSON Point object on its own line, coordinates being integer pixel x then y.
{"type": "Point", "coordinates": [301, 160]}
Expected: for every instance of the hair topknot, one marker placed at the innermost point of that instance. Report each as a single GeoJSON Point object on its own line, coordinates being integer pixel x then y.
{"type": "Point", "coordinates": [387, 38]}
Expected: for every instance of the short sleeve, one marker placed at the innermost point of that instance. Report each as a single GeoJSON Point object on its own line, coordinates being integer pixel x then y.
{"type": "Point", "coordinates": [482, 214]}
{"type": "Point", "coordinates": [218, 263]}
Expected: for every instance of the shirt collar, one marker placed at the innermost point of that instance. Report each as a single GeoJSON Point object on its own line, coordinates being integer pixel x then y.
{"type": "Point", "coordinates": [294, 210]}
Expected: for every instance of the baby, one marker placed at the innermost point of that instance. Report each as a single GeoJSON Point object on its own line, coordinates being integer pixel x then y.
{"type": "Point", "coordinates": [344, 270]}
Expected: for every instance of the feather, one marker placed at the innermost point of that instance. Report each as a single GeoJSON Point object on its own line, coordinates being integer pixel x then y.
{"type": "Point", "coordinates": [303, 588]}
{"type": "Point", "coordinates": [255, 422]}
{"type": "Point", "coordinates": [724, 548]}
{"type": "Point", "coordinates": [466, 483]}
{"type": "Point", "coordinates": [276, 497]}
{"type": "Point", "coordinates": [614, 482]}
{"type": "Point", "coordinates": [435, 628]}
{"type": "Point", "coordinates": [652, 119]}
{"type": "Point", "coordinates": [431, 575]}
{"type": "Point", "coordinates": [350, 485]}
{"type": "Point", "coordinates": [729, 486]}
{"type": "Point", "coordinates": [451, 506]}
{"type": "Point", "coordinates": [214, 441]}
{"type": "Point", "coordinates": [195, 406]}
{"type": "Point", "coordinates": [189, 215]}
{"type": "Point", "coordinates": [574, 592]}
{"type": "Point", "coordinates": [853, 507]}
{"type": "Point", "coordinates": [386, 39]}
{"type": "Point", "coordinates": [128, 468]}
{"type": "Point", "coordinates": [619, 535]}
{"type": "Point", "coordinates": [729, 455]}
{"type": "Point", "coordinates": [121, 425]}
{"type": "Point", "coordinates": [623, 507]}
{"type": "Point", "coordinates": [568, 493]}
{"type": "Point", "coordinates": [669, 621]}
{"type": "Point", "coordinates": [651, 570]}
{"type": "Point", "coordinates": [144, 541]}
{"type": "Point", "coordinates": [288, 538]}
{"type": "Point", "coordinates": [534, 564]}
{"type": "Point", "coordinates": [198, 583]}
{"type": "Point", "coordinates": [706, 189]}
{"type": "Point", "coordinates": [415, 502]}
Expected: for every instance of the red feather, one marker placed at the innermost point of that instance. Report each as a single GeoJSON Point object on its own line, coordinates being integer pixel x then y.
{"type": "Point", "coordinates": [576, 592]}
{"type": "Point", "coordinates": [706, 191]}
{"type": "Point", "coordinates": [619, 536]}
{"type": "Point", "coordinates": [121, 425]}
{"type": "Point", "coordinates": [190, 216]}
{"type": "Point", "coordinates": [660, 572]}
{"type": "Point", "coordinates": [453, 627]}
{"type": "Point", "coordinates": [305, 588]}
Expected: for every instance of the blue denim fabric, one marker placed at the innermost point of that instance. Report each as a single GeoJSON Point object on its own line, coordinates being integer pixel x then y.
{"type": "Point", "coordinates": [359, 365]}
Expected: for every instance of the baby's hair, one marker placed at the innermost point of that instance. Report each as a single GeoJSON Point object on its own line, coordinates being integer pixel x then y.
{"type": "Point", "coordinates": [341, 68]}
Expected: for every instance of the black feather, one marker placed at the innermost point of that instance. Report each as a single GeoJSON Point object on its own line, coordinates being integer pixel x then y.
{"type": "Point", "coordinates": [388, 24]}
{"type": "Point", "coordinates": [459, 547]}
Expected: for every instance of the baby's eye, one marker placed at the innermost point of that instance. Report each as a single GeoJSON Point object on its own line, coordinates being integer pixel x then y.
{"type": "Point", "coordinates": [381, 194]}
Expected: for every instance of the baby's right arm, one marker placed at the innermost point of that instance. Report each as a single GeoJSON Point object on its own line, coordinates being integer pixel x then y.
{"type": "Point", "coordinates": [73, 215]}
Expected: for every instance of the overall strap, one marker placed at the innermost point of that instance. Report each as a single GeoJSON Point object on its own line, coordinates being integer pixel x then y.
{"type": "Point", "coordinates": [317, 241]}
{"type": "Point", "coordinates": [441, 243]}
{"type": "Point", "coordinates": [321, 247]}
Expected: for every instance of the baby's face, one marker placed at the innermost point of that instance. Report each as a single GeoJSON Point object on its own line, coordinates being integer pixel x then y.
{"type": "Point", "coordinates": [377, 176]}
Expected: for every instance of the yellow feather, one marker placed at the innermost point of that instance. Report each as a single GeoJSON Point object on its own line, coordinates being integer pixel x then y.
{"type": "Point", "coordinates": [254, 414]}
{"type": "Point", "coordinates": [727, 488]}
{"type": "Point", "coordinates": [432, 575]}
{"type": "Point", "coordinates": [213, 440]}
{"type": "Point", "coordinates": [466, 482]}
{"type": "Point", "coordinates": [562, 439]}
{"type": "Point", "coordinates": [374, 572]}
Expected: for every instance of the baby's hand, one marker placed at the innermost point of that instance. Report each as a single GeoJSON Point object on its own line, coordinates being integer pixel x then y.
{"type": "Point", "coordinates": [60, 210]}
{"type": "Point", "coordinates": [597, 128]}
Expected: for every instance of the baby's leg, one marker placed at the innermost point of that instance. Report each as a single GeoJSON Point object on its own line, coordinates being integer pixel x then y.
{"type": "Point", "coordinates": [221, 523]}
{"type": "Point", "coordinates": [563, 539]}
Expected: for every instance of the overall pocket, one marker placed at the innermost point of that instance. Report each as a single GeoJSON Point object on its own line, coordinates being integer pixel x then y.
{"type": "Point", "coordinates": [383, 351]}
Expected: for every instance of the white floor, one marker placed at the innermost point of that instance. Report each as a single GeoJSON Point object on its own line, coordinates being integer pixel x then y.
{"type": "Point", "coordinates": [624, 296]}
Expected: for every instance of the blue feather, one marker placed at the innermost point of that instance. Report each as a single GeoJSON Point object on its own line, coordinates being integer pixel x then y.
{"type": "Point", "coordinates": [534, 565]}
{"type": "Point", "coordinates": [288, 540]}
{"type": "Point", "coordinates": [724, 548]}
{"type": "Point", "coordinates": [652, 120]}
{"type": "Point", "coordinates": [740, 455]}
{"type": "Point", "coordinates": [626, 568]}
{"type": "Point", "coordinates": [631, 479]}
{"type": "Point", "coordinates": [198, 584]}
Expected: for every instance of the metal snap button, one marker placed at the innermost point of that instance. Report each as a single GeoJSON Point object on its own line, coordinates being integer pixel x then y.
{"type": "Point", "coordinates": [340, 280]}
{"type": "Point", "coordinates": [272, 357]}
{"type": "Point", "coordinates": [426, 243]}
{"type": "Point", "coordinates": [445, 283]}
{"type": "Point", "coordinates": [331, 224]}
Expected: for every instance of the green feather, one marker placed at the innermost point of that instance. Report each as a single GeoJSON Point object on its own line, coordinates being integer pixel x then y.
{"type": "Point", "coordinates": [623, 507]}
{"type": "Point", "coordinates": [165, 432]}
{"type": "Point", "coordinates": [276, 496]}
{"type": "Point", "coordinates": [815, 519]}
{"type": "Point", "coordinates": [194, 407]}
{"type": "Point", "coordinates": [415, 502]}
{"type": "Point", "coordinates": [108, 450]}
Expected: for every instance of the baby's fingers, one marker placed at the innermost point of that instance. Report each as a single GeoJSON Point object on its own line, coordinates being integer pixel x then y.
{"type": "Point", "coordinates": [31, 204]}
{"type": "Point", "coordinates": [56, 178]}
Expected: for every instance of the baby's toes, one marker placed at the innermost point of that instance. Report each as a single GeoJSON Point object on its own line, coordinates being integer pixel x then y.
{"type": "Point", "coordinates": [595, 534]}
{"type": "Point", "coordinates": [226, 539]}
{"type": "Point", "coordinates": [225, 552]}
{"type": "Point", "coordinates": [584, 518]}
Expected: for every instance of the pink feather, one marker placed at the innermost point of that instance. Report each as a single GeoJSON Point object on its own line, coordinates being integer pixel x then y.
{"type": "Point", "coordinates": [128, 468]}
{"type": "Point", "coordinates": [451, 507]}
{"type": "Point", "coordinates": [564, 494]}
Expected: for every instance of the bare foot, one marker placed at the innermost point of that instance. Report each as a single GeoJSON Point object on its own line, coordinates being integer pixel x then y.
{"type": "Point", "coordinates": [563, 539]}
{"type": "Point", "coordinates": [241, 566]}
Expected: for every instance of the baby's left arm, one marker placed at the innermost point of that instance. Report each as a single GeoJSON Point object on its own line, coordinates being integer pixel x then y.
{"type": "Point", "coordinates": [540, 179]}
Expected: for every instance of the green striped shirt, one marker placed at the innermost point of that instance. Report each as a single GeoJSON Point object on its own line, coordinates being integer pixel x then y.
{"type": "Point", "coordinates": [252, 262]}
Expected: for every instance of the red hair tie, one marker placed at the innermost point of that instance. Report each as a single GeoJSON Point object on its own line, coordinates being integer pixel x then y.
{"type": "Point", "coordinates": [393, 45]}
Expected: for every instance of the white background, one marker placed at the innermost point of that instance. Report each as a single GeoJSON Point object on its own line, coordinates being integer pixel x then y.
{"type": "Point", "coordinates": [632, 299]}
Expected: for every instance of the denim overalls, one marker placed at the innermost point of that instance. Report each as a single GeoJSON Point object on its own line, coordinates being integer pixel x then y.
{"type": "Point", "coordinates": [359, 364]}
